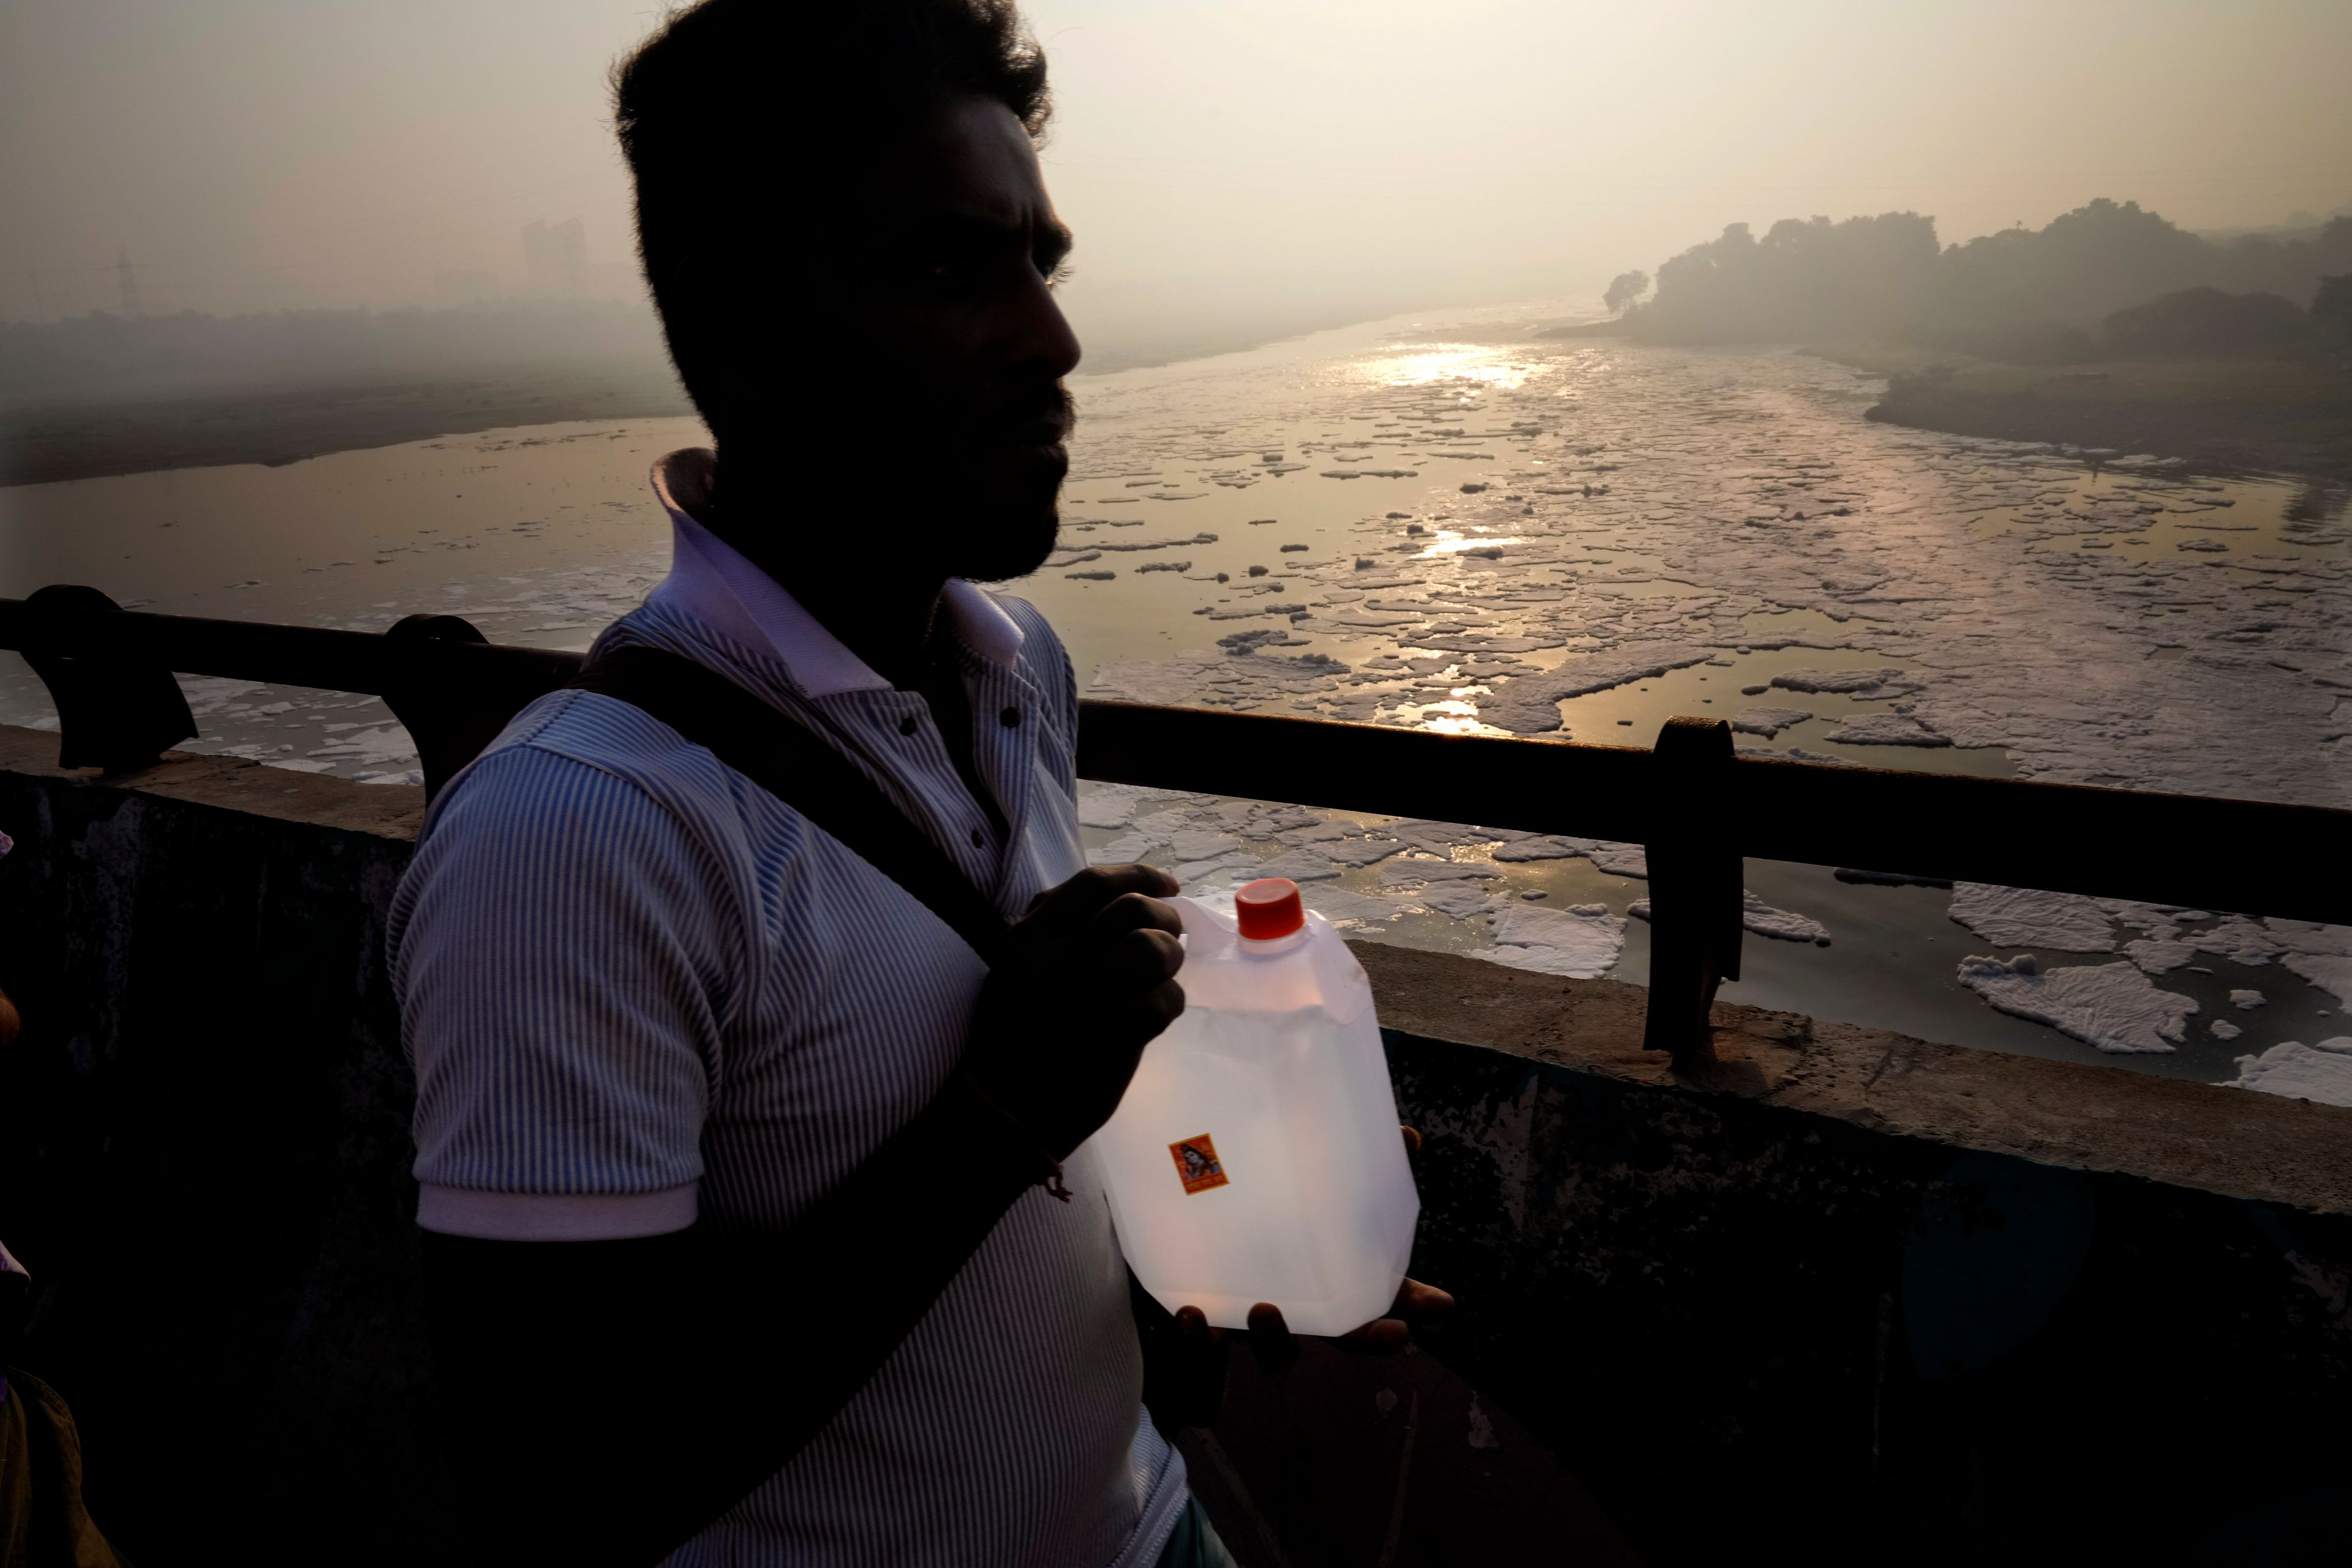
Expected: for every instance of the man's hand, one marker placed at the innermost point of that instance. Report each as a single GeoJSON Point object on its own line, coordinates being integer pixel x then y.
{"type": "Point", "coordinates": [1184, 1358]}
{"type": "Point", "coordinates": [1086, 982]}
{"type": "Point", "coordinates": [1277, 1347]}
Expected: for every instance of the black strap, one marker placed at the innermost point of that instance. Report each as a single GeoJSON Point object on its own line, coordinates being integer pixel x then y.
{"type": "Point", "coordinates": [780, 755]}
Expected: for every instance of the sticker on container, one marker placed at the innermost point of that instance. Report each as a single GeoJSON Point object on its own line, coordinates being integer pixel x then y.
{"type": "Point", "coordinates": [1197, 1165]}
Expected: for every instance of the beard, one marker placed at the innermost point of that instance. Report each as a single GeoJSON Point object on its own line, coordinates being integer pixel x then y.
{"type": "Point", "coordinates": [1016, 548]}
{"type": "Point", "coordinates": [999, 500]}
{"type": "Point", "coordinates": [947, 489]}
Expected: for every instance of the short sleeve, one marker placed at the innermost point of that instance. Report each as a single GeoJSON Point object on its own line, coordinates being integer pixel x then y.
{"type": "Point", "coordinates": [557, 949]}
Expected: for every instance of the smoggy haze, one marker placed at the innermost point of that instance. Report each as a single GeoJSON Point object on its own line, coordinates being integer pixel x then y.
{"type": "Point", "coordinates": [1222, 160]}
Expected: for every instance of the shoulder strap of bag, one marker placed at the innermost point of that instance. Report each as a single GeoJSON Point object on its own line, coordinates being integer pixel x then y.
{"type": "Point", "coordinates": [781, 756]}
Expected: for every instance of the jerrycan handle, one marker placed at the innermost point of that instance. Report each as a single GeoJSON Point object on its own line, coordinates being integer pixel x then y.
{"type": "Point", "coordinates": [1207, 933]}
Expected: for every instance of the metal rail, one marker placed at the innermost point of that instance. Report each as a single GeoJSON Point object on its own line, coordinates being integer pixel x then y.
{"type": "Point", "coordinates": [2193, 851]}
{"type": "Point", "coordinates": [1698, 807]}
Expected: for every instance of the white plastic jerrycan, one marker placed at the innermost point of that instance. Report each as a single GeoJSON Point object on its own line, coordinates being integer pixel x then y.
{"type": "Point", "coordinates": [1256, 1155]}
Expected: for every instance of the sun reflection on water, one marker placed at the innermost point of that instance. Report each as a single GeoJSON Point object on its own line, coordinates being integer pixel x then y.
{"type": "Point", "coordinates": [1427, 363]}
{"type": "Point", "coordinates": [1454, 718]}
{"type": "Point", "coordinates": [1451, 544]}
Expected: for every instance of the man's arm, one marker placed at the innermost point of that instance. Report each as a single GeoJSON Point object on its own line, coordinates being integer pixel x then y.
{"type": "Point", "coordinates": [606, 1400]}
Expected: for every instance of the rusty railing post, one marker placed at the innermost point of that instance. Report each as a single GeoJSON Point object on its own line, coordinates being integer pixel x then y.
{"type": "Point", "coordinates": [449, 721]}
{"type": "Point", "coordinates": [116, 711]}
{"type": "Point", "coordinates": [1697, 882]}
{"type": "Point", "coordinates": [453, 700]}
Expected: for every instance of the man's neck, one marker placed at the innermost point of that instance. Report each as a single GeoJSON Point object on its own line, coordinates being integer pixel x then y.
{"type": "Point", "coordinates": [882, 609]}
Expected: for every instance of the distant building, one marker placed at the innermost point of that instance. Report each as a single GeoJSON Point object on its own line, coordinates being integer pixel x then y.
{"type": "Point", "coordinates": [127, 282]}
{"type": "Point", "coordinates": [556, 256]}
{"type": "Point", "coordinates": [466, 287]}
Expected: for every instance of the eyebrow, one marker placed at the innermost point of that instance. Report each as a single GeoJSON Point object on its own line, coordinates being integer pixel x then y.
{"type": "Point", "coordinates": [1054, 243]}
{"type": "Point", "coordinates": [1049, 244]}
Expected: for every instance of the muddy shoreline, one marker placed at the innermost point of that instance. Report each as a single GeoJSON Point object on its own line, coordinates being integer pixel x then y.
{"type": "Point", "coordinates": [2226, 417]}
{"type": "Point", "coordinates": [281, 424]}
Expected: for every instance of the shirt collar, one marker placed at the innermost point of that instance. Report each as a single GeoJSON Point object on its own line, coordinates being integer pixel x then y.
{"type": "Point", "coordinates": [712, 582]}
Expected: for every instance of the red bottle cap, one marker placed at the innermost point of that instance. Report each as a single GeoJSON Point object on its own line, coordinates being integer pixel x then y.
{"type": "Point", "coordinates": [1268, 907]}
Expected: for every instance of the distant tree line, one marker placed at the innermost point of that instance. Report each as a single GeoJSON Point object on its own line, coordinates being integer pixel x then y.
{"type": "Point", "coordinates": [2107, 279]}
{"type": "Point", "coordinates": [1624, 290]}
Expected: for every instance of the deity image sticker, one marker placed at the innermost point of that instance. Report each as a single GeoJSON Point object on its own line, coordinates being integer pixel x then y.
{"type": "Point", "coordinates": [1197, 1164]}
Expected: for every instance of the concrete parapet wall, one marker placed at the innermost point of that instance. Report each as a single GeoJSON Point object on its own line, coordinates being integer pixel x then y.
{"type": "Point", "coordinates": [204, 1152]}
{"type": "Point", "coordinates": [1849, 1294]}
{"type": "Point", "coordinates": [1860, 1297]}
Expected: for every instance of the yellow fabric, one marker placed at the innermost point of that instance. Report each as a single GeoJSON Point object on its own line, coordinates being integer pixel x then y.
{"type": "Point", "coordinates": [42, 1522]}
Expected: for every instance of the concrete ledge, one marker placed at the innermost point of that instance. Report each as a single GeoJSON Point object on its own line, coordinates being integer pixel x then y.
{"type": "Point", "coordinates": [2081, 1116]}
{"type": "Point", "coordinates": [231, 783]}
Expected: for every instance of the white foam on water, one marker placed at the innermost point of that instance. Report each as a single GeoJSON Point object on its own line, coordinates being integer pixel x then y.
{"type": "Point", "coordinates": [1115, 804]}
{"type": "Point", "coordinates": [1784, 925]}
{"type": "Point", "coordinates": [1301, 864]}
{"type": "Point", "coordinates": [2322, 1072]}
{"type": "Point", "coordinates": [2158, 955]}
{"type": "Point", "coordinates": [2239, 939]}
{"type": "Point", "coordinates": [2304, 936]}
{"type": "Point", "coordinates": [1886, 730]}
{"type": "Point", "coordinates": [1582, 941]}
{"type": "Point", "coordinates": [2327, 970]}
{"type": "Point", "coordinates": [1461, 900]}
{"type": "Point", "coordinates": [2110, 1006]}
{"type": "Point", "coordinates": [1413, 872]}
{"type": "Point", "coordinates": [1615, 859]}
{"type": "Point", "coordinates": [2029, 917]}
{"type": "Point", "coordinates": [1768, 721]}
{"type": "Point", "coordinates": [1845, 682]}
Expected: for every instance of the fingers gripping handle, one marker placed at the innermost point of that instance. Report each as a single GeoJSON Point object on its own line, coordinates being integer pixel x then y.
{"type": "Point", "coordinates": [1205, 931]}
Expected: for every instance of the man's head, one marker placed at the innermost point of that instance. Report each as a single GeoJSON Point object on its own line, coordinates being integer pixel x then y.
{"type": "Point", "coordinates": [841, 218]}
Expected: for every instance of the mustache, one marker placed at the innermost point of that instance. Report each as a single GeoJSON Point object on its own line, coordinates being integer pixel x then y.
{"type": "Point", "coordinates": [1046, 413]}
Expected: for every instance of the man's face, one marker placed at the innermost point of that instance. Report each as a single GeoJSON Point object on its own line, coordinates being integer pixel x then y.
{"type": "Point", "coordinates": [948, 317]}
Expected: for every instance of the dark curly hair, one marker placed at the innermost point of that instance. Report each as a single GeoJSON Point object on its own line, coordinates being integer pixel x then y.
{"type": "Point", "coordinates": [696, 100]}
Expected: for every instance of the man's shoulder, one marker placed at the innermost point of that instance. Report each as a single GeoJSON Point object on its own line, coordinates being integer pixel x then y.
{"type": "Point", "coordinates": [582, 805]}
{"type": "Point", "coordinates": [572, 754]}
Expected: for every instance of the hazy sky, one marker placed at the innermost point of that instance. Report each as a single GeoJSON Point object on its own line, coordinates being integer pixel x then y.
{"type": "Point", "coordinates": [1219, 158]}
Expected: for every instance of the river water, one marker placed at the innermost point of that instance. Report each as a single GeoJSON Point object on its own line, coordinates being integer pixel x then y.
{"type": "Point", "coordinates": [1446, 523]}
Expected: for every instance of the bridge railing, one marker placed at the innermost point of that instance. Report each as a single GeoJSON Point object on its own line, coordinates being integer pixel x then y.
{"type": "Point", "coordinates": [1698, 807]}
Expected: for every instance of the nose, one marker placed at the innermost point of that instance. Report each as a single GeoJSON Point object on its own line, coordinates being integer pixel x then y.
{"type": "Point", "coordinates": [1042, 342]}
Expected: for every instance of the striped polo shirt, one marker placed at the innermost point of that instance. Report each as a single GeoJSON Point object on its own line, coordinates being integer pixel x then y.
{"type": "Point", "coordinates": [637, 989]}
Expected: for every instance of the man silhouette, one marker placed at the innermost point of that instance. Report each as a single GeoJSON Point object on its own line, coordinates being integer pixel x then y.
{"type": "Point", "coordinates": [759, 1222]}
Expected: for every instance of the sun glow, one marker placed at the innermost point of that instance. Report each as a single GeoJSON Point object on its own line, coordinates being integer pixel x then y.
{"type": "Point", "coordinates": [1429, 364]}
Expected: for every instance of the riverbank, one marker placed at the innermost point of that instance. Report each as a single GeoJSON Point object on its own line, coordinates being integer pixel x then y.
{"type": "Point", "coordinates": [214, 420]}
{"type": "Point", "coordinates": [284, 423]}
{"type": "Point", "coordinates": [2218, 415]}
